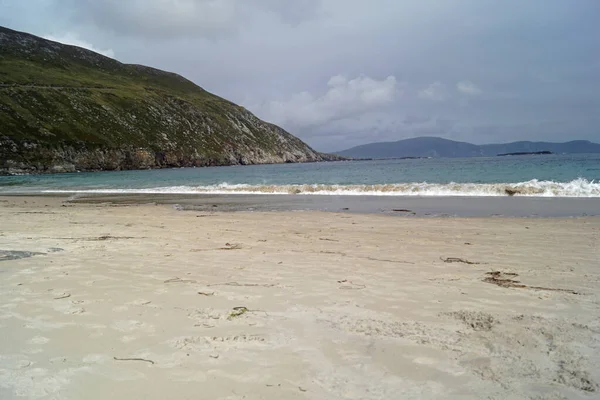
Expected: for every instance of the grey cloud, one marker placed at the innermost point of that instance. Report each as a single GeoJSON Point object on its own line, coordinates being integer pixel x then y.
{"type": "Point", "coordinates": [475, 70]}
{"type": "Point", "coordinates": [157, 18]}
{"type": "Point", "coordinates": [468, 88]}
{"type": "Point", "coordinates": [435, 92]}
{"type": "Point", "coordinates": [168, 19]}
{"type": "Point", "coordinates": [414, 119]}
{"type": "Point", "coordinates": [292, 12]}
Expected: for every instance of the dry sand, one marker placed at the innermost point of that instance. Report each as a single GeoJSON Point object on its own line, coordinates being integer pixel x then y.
{"type": "Point", "coordinates": [147, 302]}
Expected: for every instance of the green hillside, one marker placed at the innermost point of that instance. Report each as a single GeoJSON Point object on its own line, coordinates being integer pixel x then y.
{"type": "Point", "coordinates": [64, 108]}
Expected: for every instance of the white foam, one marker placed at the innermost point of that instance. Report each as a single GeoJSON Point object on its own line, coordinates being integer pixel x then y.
{"type": "Point", "coordinates": [534, 188]}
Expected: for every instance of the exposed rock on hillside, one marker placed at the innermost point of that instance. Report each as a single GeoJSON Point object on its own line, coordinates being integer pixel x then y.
{"type": "Point", "coordinates": [64, 108]}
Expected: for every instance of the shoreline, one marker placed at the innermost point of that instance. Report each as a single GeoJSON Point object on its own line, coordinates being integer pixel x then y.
{"type": "Point", "coordinates": [453, 206]}
{"type": "Point", "coordinates": [60, 169]}
{"type": "Point", "coordinates": [122, 300]}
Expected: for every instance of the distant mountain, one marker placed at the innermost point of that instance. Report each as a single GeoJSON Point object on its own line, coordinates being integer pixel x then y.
{"type": "Point", "coordinates": [64, 108]}
{"type": "Point", "coordinates": [438, 147]}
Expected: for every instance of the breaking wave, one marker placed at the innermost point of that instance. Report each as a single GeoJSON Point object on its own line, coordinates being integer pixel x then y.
{"type": "Point", "coordinates": [534, 188]}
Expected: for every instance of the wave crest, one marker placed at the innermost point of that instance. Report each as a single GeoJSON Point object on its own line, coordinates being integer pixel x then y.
{"type": "Point", "coordinates": [534, 188]}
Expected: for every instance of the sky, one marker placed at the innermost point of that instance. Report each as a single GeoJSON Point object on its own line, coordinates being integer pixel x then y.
{"type": "Point", "coordinates": [340, 73]}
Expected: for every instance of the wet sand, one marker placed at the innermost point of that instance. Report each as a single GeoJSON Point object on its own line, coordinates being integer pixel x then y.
{"type": "Point", "coordinates": [389, 205]}
{"type": "Point", "coordinates": [128, 301]}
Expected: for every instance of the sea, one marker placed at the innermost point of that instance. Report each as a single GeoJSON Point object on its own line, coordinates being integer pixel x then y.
{"type": "Point", "coordinates": [568, 176]}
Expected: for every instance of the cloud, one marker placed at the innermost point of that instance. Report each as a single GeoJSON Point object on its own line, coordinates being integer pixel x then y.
{"type": "Point", "coordinates": [166, 19]}
{"type": "Point", "coordinates": [434, 92]}
{"type": "Point", "coordinates": [157, 18]}
{"type": "Point", "coordinates": [415, 120]}
{"type": "Point", "coordinates": [292, 12]}
{"type": "Point", "coordinates": [74, 40]}
{"type": "Point", "coordinates": [344, 98]}
{"type": "Point", "coordinates": [468, 88]}
{"type": "Point", "coordinates": [279, 55]}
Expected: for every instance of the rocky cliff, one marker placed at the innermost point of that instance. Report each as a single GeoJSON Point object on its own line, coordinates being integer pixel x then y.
{"type": "Point", "coordinates": [64, 108]}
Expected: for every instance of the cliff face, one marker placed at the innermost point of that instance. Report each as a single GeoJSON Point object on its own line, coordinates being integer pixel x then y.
{"type": "Point", "coordinates": [64, 108]}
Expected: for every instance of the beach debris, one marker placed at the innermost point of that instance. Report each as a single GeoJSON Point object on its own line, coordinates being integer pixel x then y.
{"type": "Point", "coordinates": [329, 240]}
{"type": "Point", "coordinates": [98, 238]}
{"type": "Point", "coordinates": [179, 280]}
{"type": "Point", "coordinates": [364, 258]}
{"type": "Point", "coordinates": [278, 385]}
{"type": "Point", "coordinates": [458, 260]}
{"type": "Point", "coordinates": [109, 237]}
{"type": "Point", "coordinates": [300, 388]}
{"type": "Point", "coordinates": [134, 359]}
{"type": "Point", "coordinates": [502, 279]}
{"type": "Point", "coordinates": [477, 320]}
{"type": "Point", "coordinates": [404, 210]}
{"type": "Point", "coordinates": [9, 255]}
{"type": "Point", "coordinates": [206, 293]}
{"type": "Point", "coordinates": [387, 260]}
{"type": "Point", "coordinates": [35, 212]}
{"type": "Point", "coordinates": [215, 356]}
{"type": "Point", "coordinates": [237, 312]}
{"type": "Point", "coordinates": [468, 244]}
{"type": "Point", "coordinates": [228, 246]}
{"type": "Point", "coordinates": [64, 296]}
{"type": "Point", "coordinates": [55, 250]}
{"type": "Point", "coordinates": [346, 284]}
{"type": "Point", "coordinates": [332, 252]}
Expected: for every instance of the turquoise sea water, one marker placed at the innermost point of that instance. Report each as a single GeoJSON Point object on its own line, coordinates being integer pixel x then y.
{"type": "Point", "coordinates": [541, 175]}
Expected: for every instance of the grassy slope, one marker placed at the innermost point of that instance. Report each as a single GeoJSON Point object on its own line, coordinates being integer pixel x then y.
{"type": "Point", "coordinates": [56, 95]}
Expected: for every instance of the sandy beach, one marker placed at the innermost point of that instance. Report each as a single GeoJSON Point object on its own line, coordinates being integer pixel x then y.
{"type": "Point", "coordinates": [126, 301]}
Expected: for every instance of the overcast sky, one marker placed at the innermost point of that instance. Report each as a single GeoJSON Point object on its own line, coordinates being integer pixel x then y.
{"type": "Point", "coordinates": [339, 73]}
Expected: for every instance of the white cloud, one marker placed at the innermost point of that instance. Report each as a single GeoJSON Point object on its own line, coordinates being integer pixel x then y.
{"type": "Point", "coordinates": [344, 98]}
{"type": "Point", "coordinates": [74, 40]}
{"type": "Point", "coordinates": [468, 88]}
{"type": "Point", "coordinates": [434, 92]}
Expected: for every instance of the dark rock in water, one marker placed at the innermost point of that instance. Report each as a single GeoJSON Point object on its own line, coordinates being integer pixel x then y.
{"type": "Point", "coordinates": [67, 109]}
{"type": "Point", "coordinates": [8, 255]}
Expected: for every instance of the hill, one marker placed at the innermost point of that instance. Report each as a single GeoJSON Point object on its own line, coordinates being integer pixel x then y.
{"type": "Point", "coordinates": [438, 147]}
{"type": "Point", "coordinates": [64, 108]}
